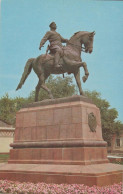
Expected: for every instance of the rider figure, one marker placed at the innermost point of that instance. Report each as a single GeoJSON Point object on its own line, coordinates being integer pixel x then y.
{"type": "Point", "coordinates": [56, 41]}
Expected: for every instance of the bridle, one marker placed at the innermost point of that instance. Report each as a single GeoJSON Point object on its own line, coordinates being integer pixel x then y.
{"type": "Point", "coordinates": [82, 48]}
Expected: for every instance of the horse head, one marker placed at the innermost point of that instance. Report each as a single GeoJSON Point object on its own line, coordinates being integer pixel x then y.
{"type": "Point", "coordinates": [87, 40]}
{"type": "Point", "coordinates": [82, 38]}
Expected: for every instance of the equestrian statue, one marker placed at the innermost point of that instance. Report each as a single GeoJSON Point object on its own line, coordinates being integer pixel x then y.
{"type": "Point", "coordinates": [59, 59]}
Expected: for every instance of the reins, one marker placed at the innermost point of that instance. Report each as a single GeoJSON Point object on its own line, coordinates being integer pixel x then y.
{"type": "Point", "coordinates": [82, 48]}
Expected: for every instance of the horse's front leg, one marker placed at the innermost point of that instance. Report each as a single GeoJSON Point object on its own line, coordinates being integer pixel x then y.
{"type": "Point", "coordinates": [77, 77]}
{"type": "Point", "coordinates": [85, 77]}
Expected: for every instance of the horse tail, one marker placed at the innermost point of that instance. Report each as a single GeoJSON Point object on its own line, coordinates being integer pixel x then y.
{"type": "Point", "coordinates": [27, 70]}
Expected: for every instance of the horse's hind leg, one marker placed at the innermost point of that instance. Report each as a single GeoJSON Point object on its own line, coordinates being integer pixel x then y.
{"type": "Point", "coordinates": [41, 84]}
{"type": "Point", "coordinates": [47, 89]}
{"type": "Point", "coordinates": [37, 91]}
{"type": "Point", "coordinates": [77, 77]}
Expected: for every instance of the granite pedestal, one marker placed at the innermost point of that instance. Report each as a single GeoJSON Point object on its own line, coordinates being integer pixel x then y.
{"type": "Point", "coordinates": [60, 141]}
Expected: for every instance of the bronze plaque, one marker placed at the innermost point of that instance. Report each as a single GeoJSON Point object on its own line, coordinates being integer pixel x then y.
{"type": "Point", "coordinates": [92, 122]}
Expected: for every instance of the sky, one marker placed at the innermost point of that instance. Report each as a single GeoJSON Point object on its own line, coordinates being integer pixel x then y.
{"type": "Point", "coordinates": [23, 24]}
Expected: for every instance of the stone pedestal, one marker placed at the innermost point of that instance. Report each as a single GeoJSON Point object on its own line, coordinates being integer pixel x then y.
{"type": "Point", "coordinates": [60, 141]}
{"type": "Point", "coordinates": [59, 133]}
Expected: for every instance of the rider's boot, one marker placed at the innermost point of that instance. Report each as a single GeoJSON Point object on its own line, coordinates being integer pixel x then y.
{"type": "Point", "coordinates": [57, 59]}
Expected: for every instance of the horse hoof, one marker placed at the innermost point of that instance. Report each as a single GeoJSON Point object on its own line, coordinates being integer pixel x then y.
{"type": "Point", "coordinates": [84, 78]}
{"type": "Point", "coordinates": [51, 97]}
{"type": "Point", "coordinates": [58, 66]}
{"type": "Point", "coordinates": [82, 94]}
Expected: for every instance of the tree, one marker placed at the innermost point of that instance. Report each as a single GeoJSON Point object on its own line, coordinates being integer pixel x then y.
{"type": "Point", "coordinates": [62, 88]}
{"type": "Point", "coordinates": [9, 107]}
{"type": "Point", "coordinates": [59, 87]}
{"type": "Point", "coordinates": [108, 116]}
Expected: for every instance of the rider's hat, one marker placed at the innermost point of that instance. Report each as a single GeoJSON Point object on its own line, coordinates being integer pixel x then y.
{"type": "Point", "coordinates": [52, 24]}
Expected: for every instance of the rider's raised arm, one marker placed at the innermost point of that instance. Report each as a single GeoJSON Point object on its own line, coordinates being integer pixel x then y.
{"type": "Point", "coordinates": [44, 39]}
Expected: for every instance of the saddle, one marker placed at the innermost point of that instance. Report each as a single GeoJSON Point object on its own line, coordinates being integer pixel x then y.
{"type": "Point", "coordinates": [48, 49]}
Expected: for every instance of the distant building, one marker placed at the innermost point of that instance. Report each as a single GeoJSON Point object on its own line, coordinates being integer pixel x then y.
{"type": "Point", "coordinates": [117, 143]}
{"type": "Point", "coordinates": [6, 136]}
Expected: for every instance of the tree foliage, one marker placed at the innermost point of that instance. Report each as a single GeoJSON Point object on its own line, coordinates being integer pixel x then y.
{"type": "Point", "coordinates": [62, 88]}
{"type": "Point", "coordinates": [59, 87]}
{"type": "Point", "coordinates": [9, 107]}
{"type": "Point", "coordinates": [6, 107]}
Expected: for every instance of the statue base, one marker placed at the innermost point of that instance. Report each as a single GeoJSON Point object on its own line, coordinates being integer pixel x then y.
{"type": "Point", "coordinates": [60, 141]}
{"type": "Point", "coordinates": [97, 174]}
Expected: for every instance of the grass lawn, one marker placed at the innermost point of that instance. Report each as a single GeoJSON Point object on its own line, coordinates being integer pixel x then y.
{"type": "Point", "coordinates": [4, 157]}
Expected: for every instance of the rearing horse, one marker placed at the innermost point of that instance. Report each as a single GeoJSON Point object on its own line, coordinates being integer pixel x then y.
{"type": "Point", "coordinates": [70, 62]}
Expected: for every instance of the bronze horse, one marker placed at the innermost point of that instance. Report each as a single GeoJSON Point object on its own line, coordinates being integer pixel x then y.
{"type": "Point", "coordinates": [70, 62]}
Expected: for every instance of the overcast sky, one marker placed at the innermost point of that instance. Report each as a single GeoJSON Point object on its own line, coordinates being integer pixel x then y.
{"type": "Point", "coordinates": [24, 22]}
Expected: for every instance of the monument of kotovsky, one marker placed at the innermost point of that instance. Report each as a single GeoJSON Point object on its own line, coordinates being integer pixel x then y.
{"type": "Point", "coordinates": [60, 140]}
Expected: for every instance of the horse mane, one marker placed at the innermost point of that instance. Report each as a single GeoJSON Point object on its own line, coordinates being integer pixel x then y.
{"type": "Point", "coordinates": [77, 33]}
